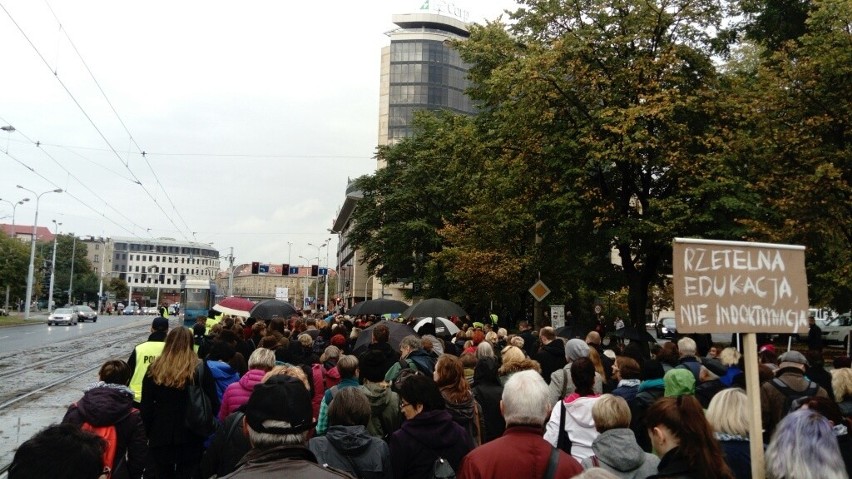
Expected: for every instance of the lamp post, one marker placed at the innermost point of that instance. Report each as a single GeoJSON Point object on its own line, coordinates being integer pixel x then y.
{"type": "Point", "coordinates": [365, 287]}
{"type": "Point", "coordinates": [101, 283]}
{"type": "Point", "coordinates": [31, 268]}
{"type": "Point", "coordinates": [307, 271]}
{"type": "Point", "coordinates": [325, 283]}
{"type": "Point", "coordinates": [318, 247]}
{"type": "Point", "coordinates": [71, 279]}
{"type": "Point", "coordinates": [52, 269]}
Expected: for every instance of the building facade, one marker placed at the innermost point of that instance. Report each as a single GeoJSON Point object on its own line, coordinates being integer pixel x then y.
{"type": "Point", "coordinates": [268, 284]}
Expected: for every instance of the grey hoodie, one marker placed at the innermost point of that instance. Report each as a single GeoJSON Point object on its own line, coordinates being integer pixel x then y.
{"type": "Point", "coordinates": [617, 452]}
{"type": "Point", "coordinates": [348, 448]}
{"type": "Point", "coordinates": [574, 350]}
{"type": "Point", "coordinates": [385, 417]}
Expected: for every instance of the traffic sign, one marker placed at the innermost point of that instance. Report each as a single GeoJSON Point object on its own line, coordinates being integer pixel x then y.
{"type": "Point", "coordinates": [539, 290]}
{"type": "Point", "coordinates": [598, 309]}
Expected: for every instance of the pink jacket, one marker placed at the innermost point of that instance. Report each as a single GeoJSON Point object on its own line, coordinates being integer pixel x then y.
{"type": "Point", "coordinates": [238, 393]}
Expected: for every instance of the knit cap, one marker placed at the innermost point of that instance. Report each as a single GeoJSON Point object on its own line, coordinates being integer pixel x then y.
{"type": "Point", "coordinates": [679, 382]}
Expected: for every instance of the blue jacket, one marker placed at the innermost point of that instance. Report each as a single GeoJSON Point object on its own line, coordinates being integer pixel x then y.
{"type": "Point", "coordinates": [224, 375]}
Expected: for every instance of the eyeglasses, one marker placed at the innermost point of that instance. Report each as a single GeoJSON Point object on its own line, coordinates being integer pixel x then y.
{"type": "Point", "coordinates": [403, 404]}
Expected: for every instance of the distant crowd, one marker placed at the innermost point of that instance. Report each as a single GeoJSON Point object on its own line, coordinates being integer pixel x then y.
{"type": "Point", "coordinates": [359, 397]}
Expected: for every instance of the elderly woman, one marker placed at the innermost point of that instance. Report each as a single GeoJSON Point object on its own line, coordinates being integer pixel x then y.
{"type": "Point", "coordinates": [514, 360]}
{"type": "Point", "coordinates": [347, 445]}
{"type": "Point", "coordinates": [428, 432]}
{"type": "Point", "coordinates": [615, 449]}
{"type": "Point", "coordinates": [260, 362]}
{"type": "Point", "coordinates": [728, 415]}
{"type": "Point", "coordinates": [730, 358]}
{"type": "Point", "coordinates": [803, 447]}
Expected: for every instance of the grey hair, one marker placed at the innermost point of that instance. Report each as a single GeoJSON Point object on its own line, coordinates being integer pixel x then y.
{"type": "Point", "coordinates": [265, 440]}
{"type": "Point", "coordinates": [803, 446]}
{"type": "Point", "coordinates": [412, 342]}
{"type": "Point", "coordinates": [484, 350]}
{"type": "Point", "coordinates": [526, 399]}
{"type": "Point", "coordinates": [262, 358]}
{"type": "Point", "coordinates": [330, 352]}
{"type": "Point", "coordinates": [686, 346]}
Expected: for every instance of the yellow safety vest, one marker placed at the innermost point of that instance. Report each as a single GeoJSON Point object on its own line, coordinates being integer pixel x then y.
{"type": "Point", "coordinates": [146, 353]}
{"type": "Point", "coordinates": [208, 325]}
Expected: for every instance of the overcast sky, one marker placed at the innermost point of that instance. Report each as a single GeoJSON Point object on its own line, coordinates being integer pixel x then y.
{"type": "Point", "coordinates": [252, 115]}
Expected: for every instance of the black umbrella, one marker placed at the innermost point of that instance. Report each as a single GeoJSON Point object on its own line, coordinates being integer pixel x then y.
{"type": "Point", "coordinates": [432, 308]}
{"type": "Point", "coordinates": [397, 332]}
{"type": "Point", "coordinates": [633, 334]}
{"type": "Point", "coordinates": [564, 332]}
{"type": "Point", "coordinates": [272, 308]}
{"type": "Point", "coordinates": [377, 307]}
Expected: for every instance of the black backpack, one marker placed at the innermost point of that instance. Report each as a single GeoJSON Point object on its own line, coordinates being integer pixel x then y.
{"type": "Point", "coordinates": [793, 398]}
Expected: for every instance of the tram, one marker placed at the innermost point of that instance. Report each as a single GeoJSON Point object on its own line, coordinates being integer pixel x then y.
{"type": "Point", "coordinates": [197, 296]}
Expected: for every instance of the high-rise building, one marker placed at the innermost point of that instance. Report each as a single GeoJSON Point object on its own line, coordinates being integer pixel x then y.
{"type": "Point", "coordinates": [421, 71]}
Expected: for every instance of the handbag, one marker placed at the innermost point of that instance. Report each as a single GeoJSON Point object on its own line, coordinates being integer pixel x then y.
{"type": "Point", "coordinates": [199, 410]}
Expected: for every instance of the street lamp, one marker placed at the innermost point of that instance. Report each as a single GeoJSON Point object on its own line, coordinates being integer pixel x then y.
{"type": "Point", "coordinates": [305, 291]}
{"type": "Point", "coordinates": [14, 207]}
{"type": "Point", "coordinates": [52, 269]}
{"type": "Point", "coordinates": [30, 270]}
{"type": "Point", "coordinates": [319, 247]}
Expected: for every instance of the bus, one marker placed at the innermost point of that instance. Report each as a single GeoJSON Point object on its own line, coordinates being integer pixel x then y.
{"type": "Point", "coordinates": [197, 296]}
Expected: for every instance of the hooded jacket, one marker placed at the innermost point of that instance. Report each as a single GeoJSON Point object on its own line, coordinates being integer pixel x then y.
{"type": "Point", "coordinates": [617, 452]}
{"type": "Point", "coordinates": [574, 349]}
{"type": "Point", "coordinates": [352, 449]}
{"type": "Point", "coordinates": [551, 357]}
{"type": "Point", "coordinates": [105, 404]}
{"type": "Point", "coordinates": [385, 417]}
{"type": "Point", "coordinates": [649, 391]}
{"type": "Point", "coordinates": [224, 375]}
{"type": "Point", "coordinates": [422, 439]}
{"type": "Point", "coordinates": [237, 394]}
{"type": "Point", "coordinates": [293, 462]}
{"type": "Point", "coordinates": [578, 423]}
{"type": "Point", "coordinates": [488, 393]}
{"type": "Point", "coordinates": [467, 414]}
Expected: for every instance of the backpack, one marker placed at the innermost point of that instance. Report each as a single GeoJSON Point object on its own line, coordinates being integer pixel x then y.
{"type": "Point", "coordinates": [404, 373]}
{"type": "Point", "coordinates": [108, 434]}
{"type": "Point", "coordinates": [791, 396]}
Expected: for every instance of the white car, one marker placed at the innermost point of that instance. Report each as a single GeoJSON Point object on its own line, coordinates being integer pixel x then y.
{"type": "Point", "coordinates": [62, 316]}
{"type": "Point", "coordinates": [836, 329]}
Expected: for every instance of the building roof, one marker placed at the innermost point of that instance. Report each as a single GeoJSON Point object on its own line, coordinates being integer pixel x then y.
{"type": "Point", "coordinates": [42, 232]}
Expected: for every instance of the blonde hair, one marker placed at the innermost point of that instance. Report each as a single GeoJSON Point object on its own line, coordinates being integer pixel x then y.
{"type": "Point", "coordinates": [292, 371]}
{"type": "Point", "coordinates": [491, 337]}
{"type": "Point", "coordinates": [841, 383]}
{"type": "Point", "coordinates": [728, 412]}
{"type": "Point", "coordinates": [610, 412]}
{"type": "Point", "coordinates": [175, 366]}
{"type": "Point", "coordinates": [306, 340]}
{"type": "Point", "coordinates": [595, 357]}
{"type": "Point", "coordinates": [511, 354]}
{"type": "Point", "coordinates": [730, 356]}
{"type": "Point", "coordinates": [516, 341]}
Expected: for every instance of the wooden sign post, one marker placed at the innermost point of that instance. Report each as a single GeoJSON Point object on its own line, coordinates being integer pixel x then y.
{"type": "Point", "coordinates": [740, 287]}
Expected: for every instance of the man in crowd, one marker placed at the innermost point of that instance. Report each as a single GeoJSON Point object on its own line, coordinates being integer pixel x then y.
{"type": "Point", "coordinates": [59, 451]}
{"type": "Point", "coordinates": [144, 354]}
{"type": "Point", "coordinates": [551, 355]}
{"type": "Point", "coordinates": [530, 341]}
{"type": "Point", "coordinates": [278, 420]}
{"type": "Point", "coordinates": [412, 357]}
{"type": "Point", "coordinates": [521, 451]}
{"type": "Point", "coordinates": [789, 384]}
{"type": "Point", "coordinates": [379, 342]}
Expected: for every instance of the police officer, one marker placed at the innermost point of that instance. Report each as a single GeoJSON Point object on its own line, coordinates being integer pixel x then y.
{"type": "Point", "coordinates": [144, 354]}
{"type": "Point", "coordinates": [164, 311]}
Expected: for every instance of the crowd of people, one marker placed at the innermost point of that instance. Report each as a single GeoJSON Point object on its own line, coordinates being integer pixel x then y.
{"type": "Point", "coordinates": [303, 397]}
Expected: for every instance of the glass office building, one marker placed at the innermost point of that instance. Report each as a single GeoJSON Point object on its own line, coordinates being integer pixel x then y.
{"type": "Point", "coordinates": [421, 71]}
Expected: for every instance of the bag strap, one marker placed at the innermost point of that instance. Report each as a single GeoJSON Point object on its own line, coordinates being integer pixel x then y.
{"type": "Point", "coordinates": [564, 384]}
{"type": "Point", "coordinates": [552, 463]}
{"type": "Point", "coordinates": [560, 442]}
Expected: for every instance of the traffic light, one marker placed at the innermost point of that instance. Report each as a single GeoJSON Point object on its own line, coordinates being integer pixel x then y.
{"type": "Point", "coordinates": [254, 267]}
{"type": "Point", "coordinates": [314, 270]}
{"type": "Point", "coordinates": [285, 269]}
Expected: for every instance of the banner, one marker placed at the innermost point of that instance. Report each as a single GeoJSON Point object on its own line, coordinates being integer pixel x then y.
{"type": "Point", "coordinates": [282, 294]}
{"type": "Point", "coordinates": [739, 287]}
{"type": "Point", "coordinates": [557, 315]}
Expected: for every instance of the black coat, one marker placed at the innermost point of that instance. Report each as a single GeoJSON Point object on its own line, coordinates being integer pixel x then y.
{"type": "Point", "coordinates": [422, 439]}
{"type": "Point", "coordinates": [673, 466]}
{"type": "Point", "coordinates": [551, 357]}
{"type": "Point", "coordinates": [229, 445]}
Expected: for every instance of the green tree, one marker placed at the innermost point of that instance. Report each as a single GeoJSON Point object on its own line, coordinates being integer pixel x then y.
{"type": "Point", "coordinates": [13, 268]}
{"type": "Point", "coordinates": [118, 287]}
{"type": "Point", "coordinates": [85, 283]}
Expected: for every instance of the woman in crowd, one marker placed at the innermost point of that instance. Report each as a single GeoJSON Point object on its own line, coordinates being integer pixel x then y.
{"type": "Point", "coordinates": [651, 388]}
{"type": "Point", "coordinates": [839, 424]}
{"type": "Point", "coordinates": [803, 447]}
{"type": "Point", "coordinates": [110, 402]}
{"type": "Point", "coordinates": [221, 370]}
{"type": "Point", "coordinates": [385, 417]}
{"type": "Point", "coordinates": [488, 392]}
{"type": "Point", "coordinates": [428, 432]}
{"type": "Point", "coordinates": [237, 394]}
{"type": "Point", "coordinates": [615, 449]}
{"type": "Point", "coordinates": [730, 358]}
{"type": "Point", "coordinates": [485, 350]}
{"type": "Point", "coordinates": [449, 376]}
{"type": "Point", "coordinates": [626, 373]}
{"type": "Point", "coordinates": [514, 360]}
{"type": "Point", "coordinates": [728, 415]}
{"type": "Point", "coordinates": [684, 440]}
{"type": "Point", "coordinates": [469, 363]}
{"type": "Point", "coordinates": [577, 411]}
{"type": "Point", "coordinates": [346, 444]}
{"type": "Point", "coordinates": [175, 450]}
{"type": "Point", "coordinates": [841, 383]}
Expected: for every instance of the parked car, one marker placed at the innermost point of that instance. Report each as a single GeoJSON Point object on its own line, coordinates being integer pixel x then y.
{"type": "Point", "coordinates": [666, 327]}
{"type": "Point", "coordinates": [85, 313]}
{"type": "Point", "coordinates": [149, 310]}
{"type": "Point", "coordinates": [62, 316]}
{"type": "Point", "coordinates": [836, 329]}
{"type": "Point", "coordinates": [131, 310]}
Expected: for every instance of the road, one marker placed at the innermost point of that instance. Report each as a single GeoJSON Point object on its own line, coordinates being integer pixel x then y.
{"type": "Point", "coordinates": [38, 334]}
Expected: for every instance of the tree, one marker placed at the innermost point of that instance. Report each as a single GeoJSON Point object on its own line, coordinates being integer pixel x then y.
{"type": "Point", "coordinates": [13, 268]}
{"type": "Point", "coordinates": [118, 287]}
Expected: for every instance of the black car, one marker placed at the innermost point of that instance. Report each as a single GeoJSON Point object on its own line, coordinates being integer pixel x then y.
{"type": "Point", "coordinates": [85, 313]}
{"type": "Point", "coordinates": [666, 328]}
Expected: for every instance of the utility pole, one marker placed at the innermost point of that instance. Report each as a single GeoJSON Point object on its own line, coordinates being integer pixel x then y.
{"type": "Point", "coordinates": [231, 272]}
{"type": "Point", "coordinates": [50, 305]}
{"type": "Point", "coordinates": [71, 280]}
{"type": "Point", "coordinates": [101, 283]}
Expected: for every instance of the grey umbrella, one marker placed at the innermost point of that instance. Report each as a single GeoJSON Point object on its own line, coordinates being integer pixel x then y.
{"type": "Point", "coordinates": [432, 308]}
{"type": "Point", "coordinates": [397, 332]}
{"type": "Point", "coordinates": [272, 308]}
{"type": "Point", "coordinates": [377, 307]}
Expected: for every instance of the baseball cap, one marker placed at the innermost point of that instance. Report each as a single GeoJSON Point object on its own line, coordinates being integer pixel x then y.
{"type": "Point", "coordinates": [160, 324]}
{"type": "Point", "coordinates": [793, 357]}
{"type": "Point", "coordinates": [280, 398]}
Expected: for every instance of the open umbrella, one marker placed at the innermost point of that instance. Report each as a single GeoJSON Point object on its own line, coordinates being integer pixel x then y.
{"type": "Point", "coordinates": [564, 332]}
{"type": "Point", "coordinates": [377, 307]}
{"type": "Point", "coordinates": [397, 332]}
{"type": "Point", "coordinates": [235, 305]}
{"type": "Point", "coordinates": [272, 308]}
{"type": "Point", "coordinates": [443, 326]}
{"type": "Point", "coordinates": [634, 334]}
{"type": "Point", "coordinates": [434, 308]}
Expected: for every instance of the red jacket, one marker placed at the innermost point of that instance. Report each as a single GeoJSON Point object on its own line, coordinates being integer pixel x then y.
{"type": "Point", "coordinates": [520, 452]}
